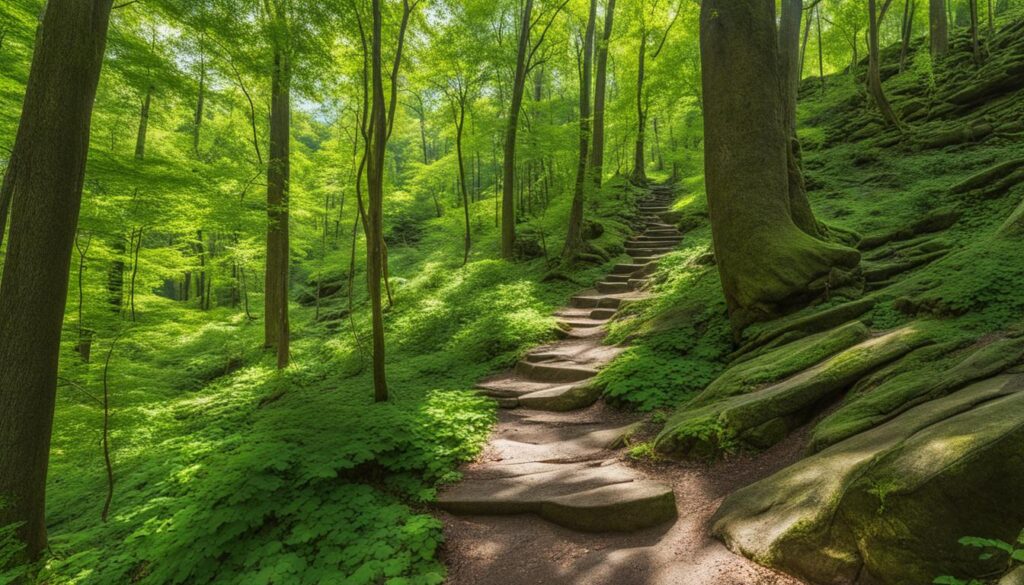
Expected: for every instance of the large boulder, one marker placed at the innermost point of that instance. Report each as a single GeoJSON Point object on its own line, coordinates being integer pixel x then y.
{"type": "Point", "coordinates": [888, 506]}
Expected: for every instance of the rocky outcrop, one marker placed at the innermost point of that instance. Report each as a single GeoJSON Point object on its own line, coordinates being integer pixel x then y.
{"type": "Point", "coordinates": [887, 506]}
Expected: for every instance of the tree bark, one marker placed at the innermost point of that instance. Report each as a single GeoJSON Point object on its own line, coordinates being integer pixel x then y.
{"type": "Point", "coordinates": [198, 123]}
{"type": "Point", "coordinates": [376, 146]}
{"type": "Point", "coordinates": [600, 85]}
{"type": "Point", "coordinates": [768, 265]}
{"type": "Point", "coordinates": [789, 72]}
{"type": "Point", "coordinates": [574, 238]}
{"type": "Point", "coordinates": [975, 45]}
{"type": "Point", "coordinates": [140, 140]}
{"type": "Point", "coordinates": [508, 186]}
{"type": "Point", "coordinates": [48, 168]}
{"type": "Point", "coordinates": [639, 175]}
{"type": "Point", "coordinates": [907, 30]}
{"type": "Point", "coordinates": [460, 123]}
{"type": "Point", "coordinates": [275, 320]}
{"type": "Point", "coordinates": [874, 78]}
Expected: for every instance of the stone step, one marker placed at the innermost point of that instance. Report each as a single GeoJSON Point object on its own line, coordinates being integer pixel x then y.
{"type": "Point", "coordinates": [581, 322]}
{"type": "Point", "coordinates": [637, 283]}
{"type": "Point", "coordinates": [596, 301]}
{"type": "Point", "coordinates": [562, 398]}
{"type": "Point", "coordinates": [618, 277]}
{"type": "Point", "coordinates": [671, 232]}
{"type": "Point", "coordinates": [655, 239]}
{"type": "Point", "coordinates": [628, 268]}
{"type": "Point", "coordinates": [604, 314]}
{"type": "Point", "coordinates": [581, 496]}
{"type": "Point", "coordinates": [653, 209]}
{"type": "Point", "coordinates": [638, 253]}
{"type": "Point", "coordinates": [647, 259]}
{"type": "Point", "coordinates": [511, 386]}
{"type": "Point", "coordinates": [648, 246]}
{"type": "Point", "coordinates": [612, 287]}
{"type": "Point", "coordinates": [554, 371]}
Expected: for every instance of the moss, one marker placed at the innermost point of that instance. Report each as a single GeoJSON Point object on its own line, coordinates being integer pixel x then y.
{"type": "Point", "coordinates": [779, 363]}
{"type": "Point", "coordinates": [760, 419]}
{"type": "Point", "coordinates": [918, 382]}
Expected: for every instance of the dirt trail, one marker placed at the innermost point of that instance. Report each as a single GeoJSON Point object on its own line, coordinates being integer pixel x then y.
{"type": "Point", "coordinates": [553, 499]}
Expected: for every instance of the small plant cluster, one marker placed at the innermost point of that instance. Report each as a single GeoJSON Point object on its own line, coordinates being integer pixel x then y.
{"type": "Point", "coordinates": [1008, 555]}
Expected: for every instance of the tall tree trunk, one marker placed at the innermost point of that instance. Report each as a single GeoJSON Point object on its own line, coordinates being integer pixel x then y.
{"type": "Point", "coordinates": [767, 263]}
{"type": "Point", "coordinates": [135, 272]}
{"type": "Point", "coordinates": [975, 45]}
{"type": "Point", "coordinates": [140, 140]}
{"type": "Point", "coordinates": [821, 49]}
{"type": "Point", "coordinates": [508, 186]}
{"type": "Point", "coordinates": [46, 171]}
{"type": "Point", "coordinates": [907, 30]}
{"type": "Point", "coordinates": [639, 175]}
{"type": "Point", "coordinates": [459, 125]}
{"type": "Point", "coordinates": [423, 133]}
{"type": "Point", "coordinates": [574, 238]}
{"type": "Point", "coordinates": [803, 48]}
{"type": "Point", "coordinates": [789, 73]}
{"type": "Point", "coordinates": [874, 77]}
{"type": "Point", "coordinates": [198, 123]}
{"type": "Point", "coordinates": [376, 148]}
{"type": "Point", "coordinates": [275, 320]}
{"type": "Point", "coordinates": [201, 279]}
{"type": "Point", "coordinates": [115, 276]}
{"type": "Point", "coordinates": [600, 84]}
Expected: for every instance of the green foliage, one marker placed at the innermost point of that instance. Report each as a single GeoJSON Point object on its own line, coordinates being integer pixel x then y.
{"type": "Point", "coordinates": [1010, 555]}
{"type": "Point", "coordinates": [10, 550]}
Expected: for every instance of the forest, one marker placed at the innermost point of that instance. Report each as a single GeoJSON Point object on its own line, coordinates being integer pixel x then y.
{"type": "Point", "coordinates": [412, 292]}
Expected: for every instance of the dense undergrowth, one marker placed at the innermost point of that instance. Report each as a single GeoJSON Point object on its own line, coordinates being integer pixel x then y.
{"type": "Point", "coordinates": [227, 471]}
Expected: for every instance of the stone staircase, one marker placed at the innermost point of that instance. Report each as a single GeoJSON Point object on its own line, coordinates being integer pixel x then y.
{"type": "Point", "coordinates": [542, 459]}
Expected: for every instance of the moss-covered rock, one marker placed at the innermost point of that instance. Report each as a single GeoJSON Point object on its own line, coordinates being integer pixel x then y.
{"type": "Point", "coordinates": [912, 387]}
{"type": "Point", "coordinates": [780, 363]}
{"type": "Point", "coordinates": [888, 505]}
{"type": "Point", "coordinates": [760, 419]}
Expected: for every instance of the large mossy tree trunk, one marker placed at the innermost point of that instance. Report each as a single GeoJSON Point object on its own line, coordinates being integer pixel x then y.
{"type": "Point", "coordinates": [600, 85]}
{"type": "Point", "coordinates": [508, 183]}
{"type": "Point", "coordinates": [574, 237]}
{"type": "Point", "coordinates": [45, 177]}
{"type": "Point", "coordinates": [275, 318]}
{"type": "Point", "coordinates": [768, 265]}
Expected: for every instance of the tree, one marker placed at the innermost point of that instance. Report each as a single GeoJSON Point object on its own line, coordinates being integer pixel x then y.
{"type": "Point", "coordinates": [44, 182]}
{"type": "Point", "coordinates": [525, 62]}
{"type": "Point", "coordinates": [906, 31]}
{"type": "Point", "coordinates": [874, 76]}
{"type": "Point", "coordinates": [574, 238]}
{"type": "Point", "coordinates": [789, 70]}
{"type": "Point", "coordinates": [768, 265]}
{"type": "Point", "coordinates": [275, 312]}
{"type": "Point", "coordinates": [975, 45]}
{"type": "Point", "coordinates": [639, 174]}
{"type": "Point", "coordinates": [381, 119]}
{"type": "Point", "coordinates": [597, 150]}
